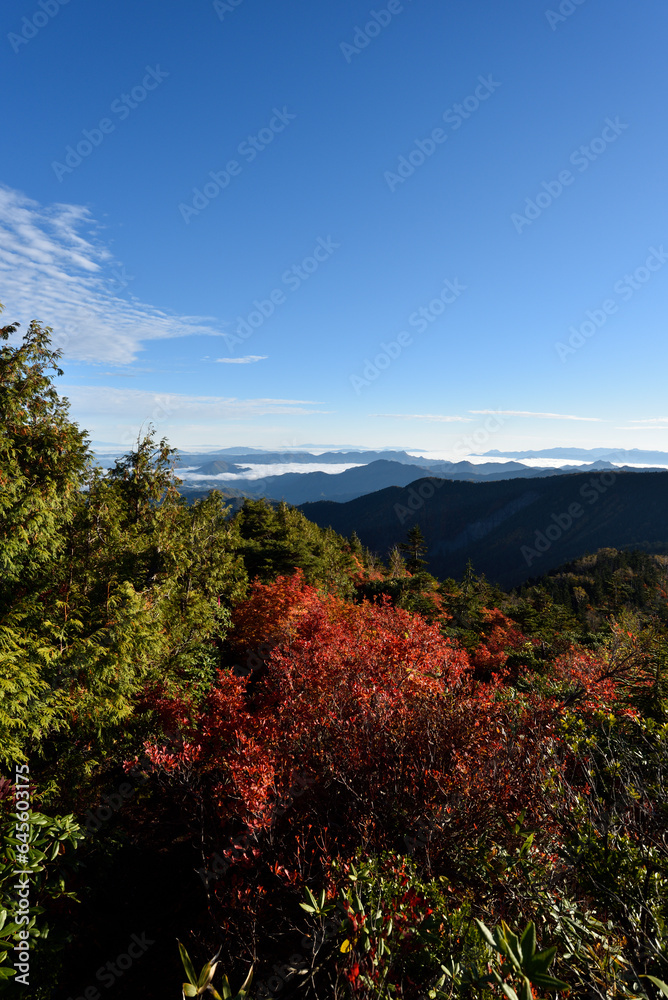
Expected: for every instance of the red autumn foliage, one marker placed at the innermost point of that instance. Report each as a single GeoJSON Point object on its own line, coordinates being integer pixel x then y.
{"type": "Point", "coordinates": [363, 574]}
{"type": "Point", "coordinates": [345, 684]}
{"type": "Point", "coordinates": [501, 635]}
{"type": "Point", "coordinates": [272, 610]}
{"type": "Point", "coordinates": [578, 678]}
{"type": "Point", "coordinates": [366, 719]}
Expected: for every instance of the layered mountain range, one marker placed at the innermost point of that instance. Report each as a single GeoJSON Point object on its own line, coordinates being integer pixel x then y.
{"type": "Point", "coordinates": [236, 473]}
{"type": "Point", "coordinates": [513, 520]}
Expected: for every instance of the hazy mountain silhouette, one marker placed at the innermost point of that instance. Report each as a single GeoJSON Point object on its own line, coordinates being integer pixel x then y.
{"type": "Point", "coordinates": [306, 487]}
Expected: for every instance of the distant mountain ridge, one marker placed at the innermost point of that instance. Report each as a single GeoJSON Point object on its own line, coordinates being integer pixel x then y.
{"type": "Point", "coordinates": [217, 467]}
{"type": "Point", "coordinates": [253, 457]}
{"type": "Point", "coordinates": [304, 487]}
{"type": "Point", "coordinates": [608, 454]}
{"type": "Point", "coordinates": [307, 487]}
{"type": "Point", "coordinates": [512, 530]}
{"type": "Point", "coordinates": [229, 470]}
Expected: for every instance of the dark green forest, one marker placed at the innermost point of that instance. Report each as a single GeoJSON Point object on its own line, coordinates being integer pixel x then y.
{"type": "Point", "coordinates": [245, 756]}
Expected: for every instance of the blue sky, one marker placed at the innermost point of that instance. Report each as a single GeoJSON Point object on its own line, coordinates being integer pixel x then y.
{"type": "Point", "coordinates": [258, 200]}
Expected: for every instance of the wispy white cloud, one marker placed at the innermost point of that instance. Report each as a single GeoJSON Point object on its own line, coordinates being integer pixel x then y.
{"type": "Point", "coordinates": [433, 417]}
{"type": "Point", "coordinates": [139, 405]}
{"type": "Point", "coordinates": [249, 360]}
{"type": "Point", "coordinates": [649, 420]}
{"type": "Point", "coordinates": [54, 267]}
{"type": "Point", "coordinates": [539, 416]}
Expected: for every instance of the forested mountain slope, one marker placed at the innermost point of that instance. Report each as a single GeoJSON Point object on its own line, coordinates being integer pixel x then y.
{"type": "Point", "coordinates": [514, 529]}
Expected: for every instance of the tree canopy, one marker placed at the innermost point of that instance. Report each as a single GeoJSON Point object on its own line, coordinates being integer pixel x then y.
{"type": "Point", "coordinates": [347, 778]}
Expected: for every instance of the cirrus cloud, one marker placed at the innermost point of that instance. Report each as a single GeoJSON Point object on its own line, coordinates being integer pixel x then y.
{"type": "Point", "coordinates": [55, 268]}
{"type": "Point", "coordinates": [539, 416]}
{"type": "Point", "coordinates": [433, 417]}
{"type": "Point", "coordinates": [140, 404]}
{"type": "Point", "coordinates": [250, 359]}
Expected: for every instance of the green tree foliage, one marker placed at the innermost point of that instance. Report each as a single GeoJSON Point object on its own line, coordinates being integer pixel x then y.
{"type": "Point", "coordinates": [33, 853]}
{"type": "Point", "coordinates": [44, 459]}
{"type": "Point", "coordinates": [607, 581]}
{"type": "Point", "coordinates": [276, 540]}
{"type": "Point", "coordinates": [110, 582]}
{"type": "Point", "coordinates": [415, 548]}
